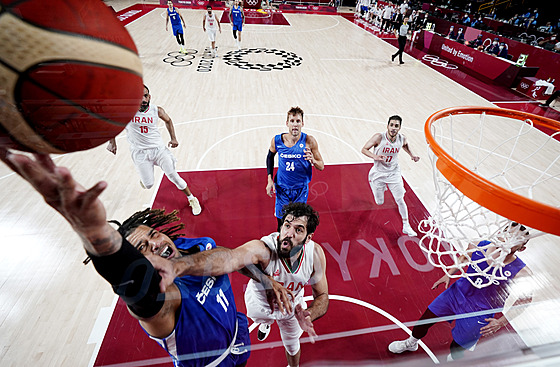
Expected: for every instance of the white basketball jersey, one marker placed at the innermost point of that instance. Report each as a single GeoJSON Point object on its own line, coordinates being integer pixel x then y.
{"type": "Point", "coordinates": [391, 153]}
{"type": "Point", "coordinates": [211, 21]}
{"type": "Point", "coordinates": [295, 279]}
{"type": "Point", "coordinates": [142, 131]}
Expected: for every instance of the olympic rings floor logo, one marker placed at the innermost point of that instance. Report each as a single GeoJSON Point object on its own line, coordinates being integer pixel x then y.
{"type": "Point", "coordinates": [180, 59]}
{"type": "Point", "coordinates": [239, 58]}
{"type": "Point", "coordinates": [436, 61]}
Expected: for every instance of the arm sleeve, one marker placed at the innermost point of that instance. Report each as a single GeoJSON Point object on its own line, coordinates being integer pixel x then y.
{"type": "Point", "coordinates": [270, 162]}
{"type": "Point", "coordinates": [133, 278]}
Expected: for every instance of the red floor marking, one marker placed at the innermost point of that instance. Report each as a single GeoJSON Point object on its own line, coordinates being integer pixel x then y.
{"type": "Point", "coordinates": [382, 267]}
{"type": "Point", "coordinates": [134, 12]}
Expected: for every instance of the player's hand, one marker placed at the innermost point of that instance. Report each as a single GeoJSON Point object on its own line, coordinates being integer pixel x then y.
{"type": "Point", "coordinates": [443, 280]}
{"type": "Point", "coordinates": [277, 294]}
{"type": "Point", "coordinates": [270, 189]}
{"type": "Point", "coordinates": [378, 157]}
{"type": "Point", "coordinates": [165, 269]}
{"type": "Point", "coordinates": [304, 320]}
{"type": "Point", "coordinates": [166, 29]}
{"type": "Point", "coordinates": [415, 158]}
{"type": "Point", "coordinates": [173, 143]}
{"type": "Point", "coordinates": [204, 29]}
{"type": "Point", "coordinates": [493, 326]}
{"type": "Point", "coordinates": [308, 155]}
{"type": "Point", "coordinates": [112, 147]}
{"type": "Point", "coordinates": [81, 207]}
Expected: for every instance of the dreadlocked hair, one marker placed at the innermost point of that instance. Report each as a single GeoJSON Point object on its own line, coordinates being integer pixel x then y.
{"type": "Point", "coordinates": [153, 218]}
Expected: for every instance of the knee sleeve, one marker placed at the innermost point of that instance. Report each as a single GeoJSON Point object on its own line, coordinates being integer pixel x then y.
{"type": "Point", "coordinates": [133, 278]}
{"type": "Point", "coordinates": [292, 348]}
{"type": "Point", "coordinates": [235, 33]}
{"type": "Point", "coordinates": [403, 210]}
{"type": "Point", "coordinates": [177, 180]}
{"type": "Point", "coordinates": [148, 185]}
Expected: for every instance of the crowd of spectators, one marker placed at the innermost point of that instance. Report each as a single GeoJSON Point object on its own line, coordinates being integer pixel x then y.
{"type": "Point", "coordinates": [524, 26]}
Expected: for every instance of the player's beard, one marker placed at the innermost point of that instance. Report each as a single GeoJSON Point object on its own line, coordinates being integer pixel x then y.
{"type": "Point", "coordinates": [285, 253]}
{"type": "Point", "coordinates": [144, 106]}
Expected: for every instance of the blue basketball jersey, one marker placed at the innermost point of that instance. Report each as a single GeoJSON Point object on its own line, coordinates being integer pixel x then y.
{"type": "Point", "coordinates": [236, 16]}
{"type": "Point", "coordinates": [208, 320]}
{"type": "Point", "coordinates": [468, 298]}
{"type": "Point", "coordinates": [174, 17]}
{"type": "Point", "coordinates": [293, 170]}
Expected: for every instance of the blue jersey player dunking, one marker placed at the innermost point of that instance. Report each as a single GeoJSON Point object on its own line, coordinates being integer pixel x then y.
{"type": "Point", "coordinates": [237, 18]}
{"type": "Point", "coordinates": [463, 298]}
{"type": "Point", "coordinates": [176, 19]}
{"type": "Point", "coordinates": [298, 153]}
{"type": "Point", "coordinates": [195, 318]}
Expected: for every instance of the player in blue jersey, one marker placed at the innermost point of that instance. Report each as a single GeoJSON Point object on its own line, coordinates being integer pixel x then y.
{"type": "Point", "coordinates": [469, 303]}
{"type": "Point", "coordinates": [237, 18]}
{"type": "Point", "coordinates": [176, 19]}
{"type": "Point", "coordinates": [298, 153]}
{"type": "Point", "coordinates": [194, 318]}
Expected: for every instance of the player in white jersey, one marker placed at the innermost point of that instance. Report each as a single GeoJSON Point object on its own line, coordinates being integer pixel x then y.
{"type": "Point", "coordinates": [210, 24]}
{"type": "Point", "coordinates": [289, 257]}
{"type": "Point", "coordinates": [386, 171]}
{"type": "Point", "coordinates": [148, 149]}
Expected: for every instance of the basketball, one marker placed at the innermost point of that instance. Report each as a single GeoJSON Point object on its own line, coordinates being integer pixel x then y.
{"type": "Point", "coordinates": [70, 75]}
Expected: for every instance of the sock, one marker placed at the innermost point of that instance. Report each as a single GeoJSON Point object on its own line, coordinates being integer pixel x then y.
{"type": "Point", "coordinates": [190, 197]}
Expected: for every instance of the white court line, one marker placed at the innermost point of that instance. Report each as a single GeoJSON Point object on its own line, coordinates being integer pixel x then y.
{"type": "Point", "coordinates": [526, 101]}
{"type": "Point", "coordinates": [211, 148]}
{"type": "Point", "coordinates": [356, 332]}
{"type": "Point", "coordinates": [345, 59]}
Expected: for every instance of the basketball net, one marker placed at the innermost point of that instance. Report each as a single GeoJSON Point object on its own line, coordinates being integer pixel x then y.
{"type": "Point", "coordinates": [488, 170]}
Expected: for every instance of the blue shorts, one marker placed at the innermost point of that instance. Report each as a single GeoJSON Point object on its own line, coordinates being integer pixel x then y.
{"type": "Point", "coordinates": [237, 26]}
{"type": "Point", "coordinates": [466, 331]}
{"type": "Point", "coordinates": [286, 196]}
{"type": "Point", "coordinates": [177, 29]}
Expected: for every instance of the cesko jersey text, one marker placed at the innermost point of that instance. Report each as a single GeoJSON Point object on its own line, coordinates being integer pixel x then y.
{"type": "Point", "coordinates": [142, 131]}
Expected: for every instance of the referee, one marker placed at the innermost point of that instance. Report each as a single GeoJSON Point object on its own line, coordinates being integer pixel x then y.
{"type": "Point", "coordinates": [403, 31]}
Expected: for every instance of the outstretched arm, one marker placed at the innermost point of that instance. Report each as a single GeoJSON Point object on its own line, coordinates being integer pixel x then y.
{"type": "Point", "coordinates": [320, 289]}
{"type": "Point", "coordinates": [80, 207]}
{"type": "Point", "coordinates": [521, 285]}
{"type": "Point", "coordinates": [112, 146]}
{"type": "Point", "coordinates": [406, 148]}
{"type": "Point", "coordinates": [373, 142]}
{"type": "Point", "coordinates": [270, 169]}
{"type": "Point", "coordinates": [312, 153]}
{"type": "Point", "coordinates": [173, 143]}
{"type": "Point", "coordinates": [113, 258]}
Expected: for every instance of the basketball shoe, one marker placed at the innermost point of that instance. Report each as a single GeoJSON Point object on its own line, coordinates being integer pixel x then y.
{"type": "Point", "coordinates": [399, 346]}
{"type": "Point", "coordinates": [195, 206]}
{"type": "Point", "coordinates": [407, 229]}
{"type": "Point", "coordinates": [262, 333]}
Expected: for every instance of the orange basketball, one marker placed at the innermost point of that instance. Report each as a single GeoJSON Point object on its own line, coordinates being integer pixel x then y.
{"type": "Point", "coordinates": [70, 75]}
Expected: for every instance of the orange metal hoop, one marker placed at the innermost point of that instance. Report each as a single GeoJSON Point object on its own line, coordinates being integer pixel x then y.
{"type": "Point", "coordinates": [500, 200]}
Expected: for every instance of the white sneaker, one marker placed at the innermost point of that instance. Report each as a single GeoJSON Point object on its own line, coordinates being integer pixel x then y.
{"type": "Point", "coordinates": [263, 331]}
{"type": "Point", "coordinates": [195, 206]}
{"type": "Point", "coordinates": [407, 229]}
{"type": "Point", "coordinates": [400, 346]}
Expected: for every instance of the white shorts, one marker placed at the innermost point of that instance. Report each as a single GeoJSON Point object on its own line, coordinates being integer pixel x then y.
{"type": "Point", "coordinates": [146, 159]}
{"type": "Point", "coordinates": [211, 34]}
{"type": "Point", "coordinates": [378, 181]}
{"type": "Point", "coordinates": [260, 313]}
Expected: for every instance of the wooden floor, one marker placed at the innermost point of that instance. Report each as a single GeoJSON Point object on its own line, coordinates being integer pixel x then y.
{"type": "Point", "coordinates": [225, 118]}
